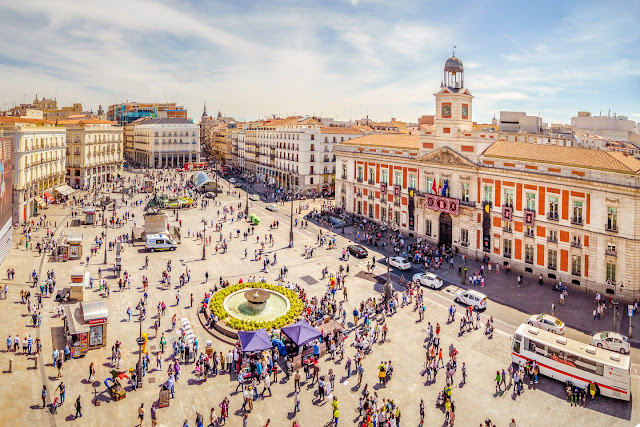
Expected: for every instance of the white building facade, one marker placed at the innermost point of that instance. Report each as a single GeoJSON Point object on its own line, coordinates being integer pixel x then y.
{"type": "Point", "coordinates": [38, 163]}
{"type": "Point", "coordinates": [165, 143]}
{"type": "Point", "coordinates": [94, 152]}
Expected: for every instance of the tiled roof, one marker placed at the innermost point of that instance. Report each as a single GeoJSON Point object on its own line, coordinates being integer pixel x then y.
{"type": "Point", "coordinates": [398, 140]}
{"type": "Point", "coordinates": [340, 130]}
{"type": "Point", "coordinates": [569, 156]}
{"type": "Point", "coordinates": [294, 120]}
{"type": "Point", "coordinates": [85, 122]}
{"type": "Point", "coordinates": [167, 121]}
{"type": "Point", "coordinates": [20, 120]}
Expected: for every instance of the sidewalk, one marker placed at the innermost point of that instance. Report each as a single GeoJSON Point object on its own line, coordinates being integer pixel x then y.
{"type": "Point", "coordinates": [530, 298]}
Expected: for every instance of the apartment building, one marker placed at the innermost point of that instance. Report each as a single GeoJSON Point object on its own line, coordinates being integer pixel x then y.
{"type": "Point", "coordinates": [163, 142]}
{"type": "Point", "coordinates": [94, 152]}
{"type": "Point", "coordinates": [38, 162]}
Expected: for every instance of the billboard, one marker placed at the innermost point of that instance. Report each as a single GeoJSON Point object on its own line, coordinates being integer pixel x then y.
{"type": "Point", "coordinates": [6, 196]}
{"type": "Point", "coordinates": [6, 180]}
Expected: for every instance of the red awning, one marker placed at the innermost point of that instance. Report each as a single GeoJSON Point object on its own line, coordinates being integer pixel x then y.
{"type": "Point", "coordinates": [48, 196]}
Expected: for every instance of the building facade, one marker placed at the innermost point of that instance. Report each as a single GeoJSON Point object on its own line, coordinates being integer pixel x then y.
{"type": "Point", "coordinates": [38, 162]}
{"type": "Point", "coordinates": [128, 112]}
{"type": "Point", "coordinates": [163, 142]}
{"type": "Point", "coordinates": [94, 152]}
{"type": "Point", "coordinates": [296, 152]}
{"type": "Point", "coordinates": [542, 208]}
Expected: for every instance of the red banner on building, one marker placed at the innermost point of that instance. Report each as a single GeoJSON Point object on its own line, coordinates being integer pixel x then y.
{"type": "Point", "coordinates": [442, 204]}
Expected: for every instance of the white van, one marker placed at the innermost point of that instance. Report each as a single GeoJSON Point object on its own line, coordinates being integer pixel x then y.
{"type": "Point", "coordinates": [160, 242]}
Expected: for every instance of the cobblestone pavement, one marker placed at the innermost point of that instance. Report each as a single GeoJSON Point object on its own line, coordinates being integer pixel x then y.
{"type": "Point", "coordinates": [405, 345]}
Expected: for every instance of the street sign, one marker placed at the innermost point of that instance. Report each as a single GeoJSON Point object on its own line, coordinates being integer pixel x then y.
{"type": "Point", "coordinates": [630, 309]}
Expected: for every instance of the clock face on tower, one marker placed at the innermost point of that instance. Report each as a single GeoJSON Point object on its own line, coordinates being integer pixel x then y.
{"type": "Point", "coordinates": [446, 110]}
{"type": "Point", "coordinates": [465, 111]}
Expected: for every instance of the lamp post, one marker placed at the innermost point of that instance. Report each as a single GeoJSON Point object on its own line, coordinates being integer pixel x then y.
{"type": "Point", "coordinates": [387, 286]}
{"type": "Point", "coordinates": [104, 208]}
{"type": "Point", "coordinates": [246, 208]}
{"type": "Point", "coordinates": [204, 239]}
{"type": "Point", "coordinates": [140, 342]}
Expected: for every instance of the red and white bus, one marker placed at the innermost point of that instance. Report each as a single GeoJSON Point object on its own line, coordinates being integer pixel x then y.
{"type": "Point", "coordinates": [565, 359]}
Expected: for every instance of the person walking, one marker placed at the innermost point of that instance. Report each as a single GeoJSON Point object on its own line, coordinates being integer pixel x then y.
{"type": "Point", "coordinates": [78, 408]}
{"type": "Point", "coordinates": [44, 396]}
{"type": "Point", "coordinates": [141, 414]}
{"type": "Point", "coordinates": [62, 389]}
{"type": "Point", "coordinates": [498, 379]}
{"type": "Point", "coordinates": [296, 400]}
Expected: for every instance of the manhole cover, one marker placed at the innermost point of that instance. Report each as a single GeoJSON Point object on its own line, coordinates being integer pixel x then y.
{"type": "Point", "coordinates": [152, 380]}
{"type": "Point", "coordinates": [309, 280]}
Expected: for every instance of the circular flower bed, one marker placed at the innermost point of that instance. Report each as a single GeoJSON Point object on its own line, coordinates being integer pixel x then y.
{"type": "Point", "coordinates": [217, 307]}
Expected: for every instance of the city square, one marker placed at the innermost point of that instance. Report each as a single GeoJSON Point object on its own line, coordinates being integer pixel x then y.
{"type": "Point", "coordinates": [302, 214]}
{"type": "Point", "coordinates": [475, 399]}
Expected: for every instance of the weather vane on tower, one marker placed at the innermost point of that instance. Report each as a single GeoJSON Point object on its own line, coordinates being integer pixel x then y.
{"type": "Point", "coordinates": [453, 51]}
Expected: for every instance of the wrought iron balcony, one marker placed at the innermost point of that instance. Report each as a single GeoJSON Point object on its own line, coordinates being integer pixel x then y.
{"type": "Point", "coordinates": [553, 216]}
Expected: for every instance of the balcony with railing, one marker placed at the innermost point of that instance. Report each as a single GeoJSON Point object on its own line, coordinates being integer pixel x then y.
{"type": "Point", "coordinates": [611, 228]}
{"type": "Point", "coordinates": [528, 260]}
{"type": "Point", "coordinates": [359, 193]}
{"type": "Point", "coordinates": [507, 255]}
{"type": "Point", "coordinates": [343, 176]}
{"type": "Point", "coordinates": [370, 196]}
{"type": "Point", "coordinates": [553, 216]}
{"type": "Point", "coordinates": [576, 272]}
{"type": "Point", "coordinates": [576, 220]}
{"type": "Point", "coordinates": [552, 267]}
{"type": "Point", "coordinates": [529, 233]}
{"type": "Point", "coordinates": [469, 203]}
{"type": "Point", "coordinates": [396, 202]}
{"type": "Point", "coordinates": [359, 179]}
{"type": "Point", "coordinates": [552, 239]}
{"type": "Point", "coordinates": [507, 229]}
{"type": "Point", "coordinates": [576, 243]}
{"type": "Point", "coordinates": [611, 252]}
{"type": "Point", "coordinates": [371, 182]}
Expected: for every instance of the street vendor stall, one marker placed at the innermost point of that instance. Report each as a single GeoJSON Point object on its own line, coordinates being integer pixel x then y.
{"type": "Point", "coordinates": [300, 343]}
{"type": "Point", "coordinates": [255, 346]}
{"type": "Point", "coordinates": [89, 215]}
{"type": "Point", "coordinates": [73, 242]}
{"type": "Point", "coordinates": [85, 326]}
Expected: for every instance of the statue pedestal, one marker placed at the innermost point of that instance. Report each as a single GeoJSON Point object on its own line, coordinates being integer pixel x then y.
{"type": "Point", "coordinates": [155, 223]}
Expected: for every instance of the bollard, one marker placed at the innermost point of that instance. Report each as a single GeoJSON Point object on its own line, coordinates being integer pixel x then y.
{"type": "Point", "coordinates": [36, 362]}
{"type": "Point", "coordinates": [11, 365]}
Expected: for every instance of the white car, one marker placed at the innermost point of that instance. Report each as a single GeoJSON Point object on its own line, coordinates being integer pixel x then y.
{"type": "Point", "coordinates": [254, 197]}
{"type": "Point", "coordinates": [232, 180]}
{"type": "Point", "coordinates": [399, 263]}
{"type": "Point", "coordinates": [547, 323]}
{"type": "Point", "coordinates": [611, 341]}
{"type": "Point", "coordinates": [429, 280]}
{"type": "Point", "coordinates": [274, 208]}
{"type": "Point", "coordinates": [471, 298]}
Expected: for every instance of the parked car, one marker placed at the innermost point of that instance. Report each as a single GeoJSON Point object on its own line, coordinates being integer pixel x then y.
{"type": "Point", "coordinates": [210, 195]}
{"type": "Point", "coordinates": [473, 298]}
{"type": "Point", "coordinates": [273, 208]}
{"type": "Point", "coordinates": [429, 280]}
{"type": "Point", "coordinates": [254, 197]}
{"type": "Point", "coordinates": [611, 341]}
{"type": "Point", "coordinates": [238, 185]}
{"type": "Point", "coordinates": [357, 251]}
{"type": "Point", "coordinates": [232, 180]}
{"type": "Point", "coordinates": [547, 323]}
{"type": "Point", "coordinates": [399, 262]}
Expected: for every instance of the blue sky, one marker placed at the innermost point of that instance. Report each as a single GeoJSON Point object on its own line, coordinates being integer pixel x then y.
{"type": "Point", "coordinates": [336, 58]}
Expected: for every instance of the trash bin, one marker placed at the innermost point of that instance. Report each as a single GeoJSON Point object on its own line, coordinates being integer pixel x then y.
{"type": "Point", "coordinates": [209, 349]}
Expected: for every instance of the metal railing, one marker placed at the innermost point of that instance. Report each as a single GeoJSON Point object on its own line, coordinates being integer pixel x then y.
{"type": "Point", "coordinates": [553, 216]}
{"type": "Point", "coordinates": [576, 221]}
{"type": "Point", "coordinates": [611, 253]}
{"type": "Point", "coordinates": [552, 239]}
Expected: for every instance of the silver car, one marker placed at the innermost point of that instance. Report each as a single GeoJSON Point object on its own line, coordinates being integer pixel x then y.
{"type": "Point", "coordinates": [429, 280]}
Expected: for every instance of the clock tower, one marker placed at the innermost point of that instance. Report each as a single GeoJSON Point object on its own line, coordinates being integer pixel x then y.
{"type": "Point", "coordinates": [453, 101]}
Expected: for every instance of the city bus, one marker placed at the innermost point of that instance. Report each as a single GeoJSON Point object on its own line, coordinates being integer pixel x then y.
{"type": "Point", "coordinates": [565, 359]}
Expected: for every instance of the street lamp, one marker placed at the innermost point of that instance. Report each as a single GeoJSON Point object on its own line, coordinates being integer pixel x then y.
{"type": "Point", "coordinates": [204, 239]}
{"type": "Point", "coordinates": [246, 208]}
{"type": "Point", "coordinates": [104, 208]}
{"type": "Point", "coordinates": [387, 286]}
{"type": "Point", "coordinates": [140, 341]}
